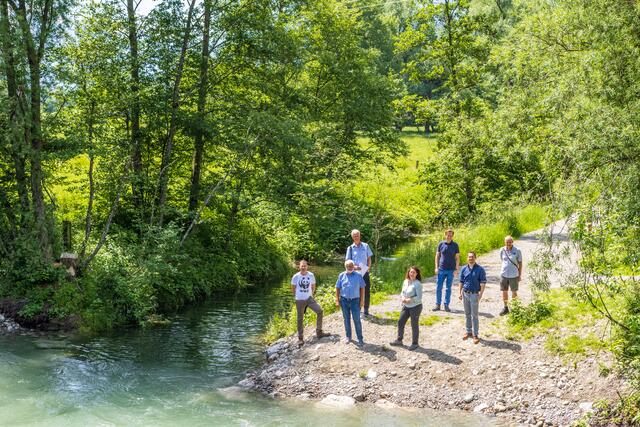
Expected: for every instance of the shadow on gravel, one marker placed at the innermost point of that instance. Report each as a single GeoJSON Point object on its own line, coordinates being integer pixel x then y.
{"type": "Point", "coordinates": [382, 320]}
{"type": "Point", "coordinates": [501, 345]}
{"type": "Point", "coordinates": [439, 356]}
{"type": "Point", "coordinates": [380, 350]}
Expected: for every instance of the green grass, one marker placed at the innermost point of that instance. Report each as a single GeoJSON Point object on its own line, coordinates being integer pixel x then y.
{"type": "Point", "coordinates": [564, 325]}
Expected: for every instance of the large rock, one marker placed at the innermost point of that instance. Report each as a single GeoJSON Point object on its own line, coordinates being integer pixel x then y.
{"type": "Point", "coordinates": [338, 401]}
{"type": "Point", "coordinates": [272, 351]}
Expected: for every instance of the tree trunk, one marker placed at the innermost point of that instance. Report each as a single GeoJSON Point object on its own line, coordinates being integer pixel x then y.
{"type": "Point", "coordinates": [16, 118]}
{"type": "Point", "coordinates": [34, 125]}
{"type": "Point", "coordinates": [163, 178]}
{"type": "Point", "coordinates": [89, 216]}
{"type": "Point", "coordinates": [136, 136]}
{"type": "Point", "coordinates": [196, 166]}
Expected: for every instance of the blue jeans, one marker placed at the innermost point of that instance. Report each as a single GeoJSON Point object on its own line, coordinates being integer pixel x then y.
{"type": "Point", "coordinates": [444, 274]}
{"type": "Point", "coordinates": [351, 308]}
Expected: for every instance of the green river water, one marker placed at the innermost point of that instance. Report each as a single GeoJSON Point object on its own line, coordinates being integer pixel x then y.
{"type": "Point", "coordinates": [171, 376]}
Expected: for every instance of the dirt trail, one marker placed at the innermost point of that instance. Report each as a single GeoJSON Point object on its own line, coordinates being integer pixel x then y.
{"type": "Point", "coordinates": [518, 381]}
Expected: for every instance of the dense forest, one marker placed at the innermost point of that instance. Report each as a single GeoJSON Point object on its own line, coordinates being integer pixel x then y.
{"type": "Point", "coordinates": [202, 145]}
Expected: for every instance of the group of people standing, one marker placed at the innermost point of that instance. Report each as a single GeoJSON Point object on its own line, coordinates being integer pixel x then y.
{"type": "Point", "coordinates": [353, 288]}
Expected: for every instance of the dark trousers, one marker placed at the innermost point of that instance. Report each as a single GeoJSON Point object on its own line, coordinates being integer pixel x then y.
{"type": "Point", "coordinates": [414, 314]}
{"type": "Point", "coordinates": [367, 292]}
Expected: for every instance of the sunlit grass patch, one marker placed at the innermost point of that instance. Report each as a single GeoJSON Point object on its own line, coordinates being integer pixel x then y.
{"type": "Point", "coordinates": [573, 344]}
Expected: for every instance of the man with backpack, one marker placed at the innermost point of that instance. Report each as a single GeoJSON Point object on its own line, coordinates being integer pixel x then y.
{"type": "Point", "coordinates": [511, 273]}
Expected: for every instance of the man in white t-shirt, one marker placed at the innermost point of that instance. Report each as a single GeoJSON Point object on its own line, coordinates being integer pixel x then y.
{"type": "Point", "coordinates": [303, 286]}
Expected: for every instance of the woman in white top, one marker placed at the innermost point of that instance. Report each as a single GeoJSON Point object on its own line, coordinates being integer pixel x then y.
{"type": "Point", "coordinates": [411, 298]}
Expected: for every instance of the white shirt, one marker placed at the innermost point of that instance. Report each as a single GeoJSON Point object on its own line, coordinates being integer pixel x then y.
{"type": "Point", "coordinates": [303, 285]}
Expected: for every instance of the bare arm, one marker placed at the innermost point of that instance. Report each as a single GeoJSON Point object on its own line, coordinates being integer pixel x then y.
{"type": "Point", "coordinates": [337, 297]}
{"type": "Point", "coordinates": [519, 270]}
{"type": "Point", "coordinates": [460, 291]}
{"type": "Point", "coordinates": [482, 285]}
{"type": "Point", "coordinates": [457, 261]}
{"type": "Point", "coordinates": [437, 260]}
{"type": "Point", "coordinates": [361, 298]}
{"type": "Point", "coordinates": [293, 289]}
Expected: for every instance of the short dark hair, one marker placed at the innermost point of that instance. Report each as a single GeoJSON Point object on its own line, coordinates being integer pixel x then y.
{"type": "Point", "coordinates": [413, 267]}
{"type": "Point", "coordinates": [472, 252]}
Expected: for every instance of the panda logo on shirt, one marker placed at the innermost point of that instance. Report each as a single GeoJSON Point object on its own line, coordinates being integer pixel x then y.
{"type": "Point", "coordinates": [304, 283]}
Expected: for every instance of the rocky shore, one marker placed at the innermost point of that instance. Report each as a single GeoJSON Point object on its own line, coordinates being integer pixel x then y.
{"type": "Point", "coordinates": [8, 325]}
{"type": "Point", "coordinates": [518, 382]}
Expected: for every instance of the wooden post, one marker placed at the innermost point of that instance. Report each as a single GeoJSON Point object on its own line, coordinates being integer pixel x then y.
{"type": "Point", "coordinates": [66, 236]}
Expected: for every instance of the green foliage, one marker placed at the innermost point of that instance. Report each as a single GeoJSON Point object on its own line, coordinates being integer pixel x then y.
{"type": "Point", "coordinates": [573, 344]}
{"type": "Point", "coordinates": [523, 316]}
{"type": "Point", "coordinates": [623, 412]}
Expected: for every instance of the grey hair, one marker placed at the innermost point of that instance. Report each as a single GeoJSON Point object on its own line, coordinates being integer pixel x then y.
{"type": "Point", "coordinates": [349, 262]}
{"type": "Point", "coordinates": [355, 231]}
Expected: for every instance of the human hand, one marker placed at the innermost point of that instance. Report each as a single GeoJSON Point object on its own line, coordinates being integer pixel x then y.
{"type": "Point", "coordinates": [337, 303]}
{"type": "Point", "coordinates": [436, 270]}
{"type": "Point", "coordinates": [479, 296]}
{"type": "Point", "coordinates": [460, 297]}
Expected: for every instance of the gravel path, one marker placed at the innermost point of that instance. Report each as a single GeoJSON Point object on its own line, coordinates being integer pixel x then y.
{"type": "Point", "coordinates": [518, 381]}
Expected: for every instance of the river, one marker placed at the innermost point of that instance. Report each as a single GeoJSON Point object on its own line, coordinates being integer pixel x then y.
{"type": "Point", "coordinates": [170, 376]}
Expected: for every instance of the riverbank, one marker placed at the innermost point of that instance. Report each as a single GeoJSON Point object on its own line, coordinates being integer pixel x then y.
{"type": "Point", "coordinates": [519, 382]}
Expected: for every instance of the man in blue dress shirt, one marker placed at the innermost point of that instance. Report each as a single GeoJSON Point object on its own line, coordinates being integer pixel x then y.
{"type": "Point", "coordinates": [349, 297]}
{"type": "Point", "coordinates": [360, 253]}
{"type": "Point", "coordinates": [473, 279]}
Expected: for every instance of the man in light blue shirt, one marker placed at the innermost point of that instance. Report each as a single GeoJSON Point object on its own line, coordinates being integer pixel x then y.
{"type": "Point", "coordinates": [350, 297]}
{"type": "Point", "coordinates": [360, 253]}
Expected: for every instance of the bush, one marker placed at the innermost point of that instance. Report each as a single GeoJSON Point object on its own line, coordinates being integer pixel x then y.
{"type": "Point", "coordinates": [521, 315]}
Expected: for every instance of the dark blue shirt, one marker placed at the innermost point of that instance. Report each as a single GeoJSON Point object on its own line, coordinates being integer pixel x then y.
{"type": "Point", "coordinates": [471, 278]}
{"type": "Point", "coordinates": [448, 253]}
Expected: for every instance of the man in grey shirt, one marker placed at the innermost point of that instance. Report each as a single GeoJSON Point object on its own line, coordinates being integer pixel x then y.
{"type": "Point", "coordinates": [511, 273]}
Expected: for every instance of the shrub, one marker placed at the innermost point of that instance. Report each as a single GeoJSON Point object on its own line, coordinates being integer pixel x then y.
{"type": "Point", "coordinates": [521, 315]}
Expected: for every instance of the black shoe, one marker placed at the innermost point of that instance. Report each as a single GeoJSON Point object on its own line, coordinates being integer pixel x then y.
{"type": "Point", "coordinates": [413, 347]}
{"type": "Point", "coordinates": [447, 309]}
{"type": "Point", "coordinates": [396, 343]}
{"type": "Point", "coordinates": [504, 311]}
{"type": "Point", "coordinates": [436, 308]}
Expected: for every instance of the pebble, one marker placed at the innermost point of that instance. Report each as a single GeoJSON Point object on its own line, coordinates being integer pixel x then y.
{"type": "Point", "coordinates": [360, 397]}
{"type": "Point", "coordinates": [499, 408]}
{"type": "Point", "coordinates": [481, 407]}
{"type": "Point", "coordinates": [586, 406]}
{"type": "Point", "coordinates": [314, 358]}
{"type": "Point", "coordinates": [468, 398]}
{"type": "Point", "coordinates": [338, 401]}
